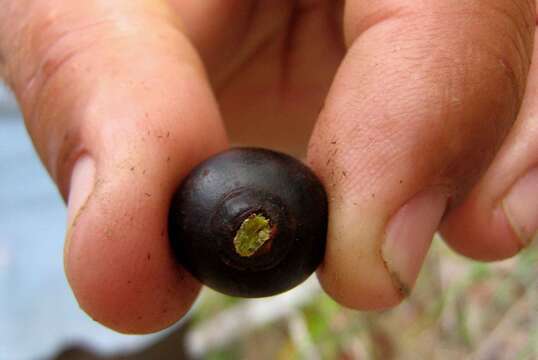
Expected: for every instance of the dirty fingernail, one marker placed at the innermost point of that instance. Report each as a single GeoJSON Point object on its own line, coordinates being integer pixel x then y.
{"type": "Point", "coordinates": [521, 207]}
{"type": "Point", "coordinates": [409, 234]}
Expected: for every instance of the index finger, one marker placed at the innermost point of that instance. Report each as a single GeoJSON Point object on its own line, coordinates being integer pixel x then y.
{"type": "Point", "coordinates": [417, 110]}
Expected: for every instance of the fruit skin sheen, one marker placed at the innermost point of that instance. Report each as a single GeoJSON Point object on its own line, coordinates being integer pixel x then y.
{"type": "Point", "coordinates": [249, 222]}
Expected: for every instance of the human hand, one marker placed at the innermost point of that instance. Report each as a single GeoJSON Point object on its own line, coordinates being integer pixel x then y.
{"type": "Point", "coordinates": [120, 108]}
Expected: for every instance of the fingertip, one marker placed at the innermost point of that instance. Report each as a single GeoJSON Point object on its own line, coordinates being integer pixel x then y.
{"type": "Point", "coordinates": [346, 287]}
{"type": "Point", "coordinates": [118, 259]}
{"type": "Point", "coordinates": [373, 264]}
{"type": "Point", "coordinates": [488, 230]}
{"type": "Point", "coordinates": [353, 272]}
{"type": "Point", "coordinates": [480, 232]}
{"type": "Point", "coordinates": [120, 266]}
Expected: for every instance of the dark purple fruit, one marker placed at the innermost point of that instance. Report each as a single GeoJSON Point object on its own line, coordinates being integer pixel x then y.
{"type": "Point", "coordinates": [249, 222]}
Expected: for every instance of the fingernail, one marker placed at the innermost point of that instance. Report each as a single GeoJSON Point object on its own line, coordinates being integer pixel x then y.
{"type": "Point", "coordinates": [81, 186]}
{"type": "Point", "coordinates": [521, 207]}
{"type": "Point", "coordinates": [409, 235]}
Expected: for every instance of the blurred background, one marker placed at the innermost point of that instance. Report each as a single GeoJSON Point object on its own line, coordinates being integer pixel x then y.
{"type": "Point", "coordinates": [458, 309]}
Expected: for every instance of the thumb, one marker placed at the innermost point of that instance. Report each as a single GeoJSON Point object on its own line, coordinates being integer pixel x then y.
{"type": "Point", "coordinates": [119, 115]}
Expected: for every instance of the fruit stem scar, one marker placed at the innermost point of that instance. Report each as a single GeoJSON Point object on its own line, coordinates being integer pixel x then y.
{"type": "Point", "coordinates": [252, 234]}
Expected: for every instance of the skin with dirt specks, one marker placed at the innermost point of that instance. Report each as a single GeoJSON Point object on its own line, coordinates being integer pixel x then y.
{"type": "Point", "coordinates": [220, 194]}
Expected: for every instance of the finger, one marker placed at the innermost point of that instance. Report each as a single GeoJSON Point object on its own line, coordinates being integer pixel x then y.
{"type": "Point", "coordinates": [416, 112]}
{"type": "Point", "coordinates": [500, 216]}
{"type": "Point", "coordinates": [119, 114]}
